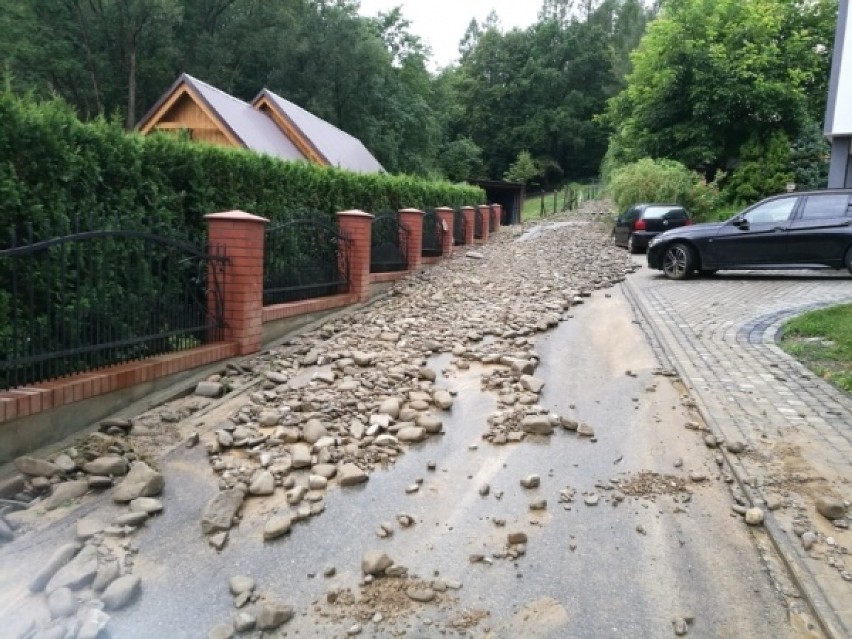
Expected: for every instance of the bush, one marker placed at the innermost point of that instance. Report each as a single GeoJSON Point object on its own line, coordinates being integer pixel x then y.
{"type": "Point", "coordinates": [764, 169]}
{"type": "Point", "coordinates": [55, 170]}
{"type": "Point", "coordinates": [665, 181]}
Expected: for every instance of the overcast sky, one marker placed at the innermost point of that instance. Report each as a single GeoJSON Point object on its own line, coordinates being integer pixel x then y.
{"type": "Point", "coordinates": [442, 23]}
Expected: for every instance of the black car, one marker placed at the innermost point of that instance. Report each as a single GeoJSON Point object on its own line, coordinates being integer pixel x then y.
{"type": "Point", "coordinates": [795, 230]}
{"type": "Point", "coordinates": [641, 222]}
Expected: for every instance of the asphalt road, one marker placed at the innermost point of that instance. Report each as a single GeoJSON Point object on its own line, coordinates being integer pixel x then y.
{"type": "Point", "coordinates": [588, 570]}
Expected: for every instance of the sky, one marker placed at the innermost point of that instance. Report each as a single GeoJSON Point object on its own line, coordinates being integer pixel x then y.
{"type": "Point", "coordinates": [442, 23]}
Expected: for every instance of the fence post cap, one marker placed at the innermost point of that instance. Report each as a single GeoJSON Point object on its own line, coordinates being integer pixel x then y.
{"type": "Point", "coordinates": [355, 213]}
{"type": "Point", "coordinates": [468, 208]}
{"type": "Point", "coordinates": [241, 216]}
{"type": "Point", "coordinates": [411, 211]}
{"type": "Point", "coordinates": [444, 209]}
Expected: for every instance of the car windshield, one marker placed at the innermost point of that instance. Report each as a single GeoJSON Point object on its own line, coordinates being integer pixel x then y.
{"type": "Point", "coordinates": [656, 212]}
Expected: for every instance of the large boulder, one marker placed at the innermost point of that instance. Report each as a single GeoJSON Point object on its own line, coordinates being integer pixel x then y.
{"type": "Point", "coordinates": [141, 481]}
{"type": "Point", "coordinates": [220, 511]}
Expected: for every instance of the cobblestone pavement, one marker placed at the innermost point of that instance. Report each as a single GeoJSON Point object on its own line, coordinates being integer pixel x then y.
{"type": "Point", "coordinates": [720, 335]}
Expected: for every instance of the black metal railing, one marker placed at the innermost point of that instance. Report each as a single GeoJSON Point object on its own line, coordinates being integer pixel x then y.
{"type": "Point", "coordinates": [459, 226]}
{"type": "Point", "coordinates": [478, 224]}
{"type": "Point", "coordinates": [389, 249]}
{"type": "Point", "coordinates": [492, 219]}
{"type": "Point", "coordinates": [90, 299]}
{"type": "Point", "coordinates": [304, 259]}
{"type": "Point", "coordinates": [433, 234]}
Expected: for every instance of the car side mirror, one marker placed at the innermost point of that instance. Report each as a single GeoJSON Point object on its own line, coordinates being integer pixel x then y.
{"type": "Point", "coordinates": [740, 222]}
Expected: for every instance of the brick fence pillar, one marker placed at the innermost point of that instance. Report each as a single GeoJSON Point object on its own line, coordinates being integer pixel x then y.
{"type": "Point", "coordinates": [357, 227]}
{"type": "Point", "coordinates": [412, 220]}
{"type": "Point", "coordinates": [495, 217]}
{"type": "Point", "coordinates": [446, 218]}
{"type": "Point", "coordinates": [469, 214]}
{"type": "Point", "coordinates": [485, 213]}
{"type": "Point", "coordinates": [498, 210]}
{"type": "Point", "coordinates": [241, 234]}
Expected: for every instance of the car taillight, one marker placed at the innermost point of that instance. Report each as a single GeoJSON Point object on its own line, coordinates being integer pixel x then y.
{"type": "Point", "coordinates": [688, 222]}
{"type": "Point", "coordinates": [639, 225]}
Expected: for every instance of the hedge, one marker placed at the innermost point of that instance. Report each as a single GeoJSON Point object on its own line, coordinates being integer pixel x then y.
{"type": "Point", "coordinates": [55, 169]}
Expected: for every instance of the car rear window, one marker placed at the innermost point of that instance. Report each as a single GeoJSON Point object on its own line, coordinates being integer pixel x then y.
{"type": "Point", "coordinates": [827, 205]}
{"type": "Point", "coordinates": [657, 212]}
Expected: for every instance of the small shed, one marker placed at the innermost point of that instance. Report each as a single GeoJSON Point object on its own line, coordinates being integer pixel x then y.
{"type": "Point", "coordinates": [509, 195]}
{"type": "Point", "coordinates": [270, 125]}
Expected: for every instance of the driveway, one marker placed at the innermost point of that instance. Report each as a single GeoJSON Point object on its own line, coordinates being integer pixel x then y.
{"type": "Point", "coordinates": [720, 334]}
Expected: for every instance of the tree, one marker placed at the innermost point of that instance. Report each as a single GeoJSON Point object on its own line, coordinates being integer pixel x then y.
{"type": "Point", "coordinates": [461, 160]}
{"type": "Point", "coordinates": [710, 74]}
{"type": "Point", "coordinates": [523, 170]}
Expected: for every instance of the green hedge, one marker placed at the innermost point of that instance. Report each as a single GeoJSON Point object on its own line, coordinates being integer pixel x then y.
{"type": "Point", "coordinates": [55, 169]}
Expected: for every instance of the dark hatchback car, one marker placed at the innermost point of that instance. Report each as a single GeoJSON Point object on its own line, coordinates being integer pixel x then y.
{"type": "Point", "coordinates": [794, 230]}
{"type": "Point", "coordinates": [639, 224]}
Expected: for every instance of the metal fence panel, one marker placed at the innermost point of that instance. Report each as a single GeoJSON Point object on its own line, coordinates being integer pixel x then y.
{"type": "Point", "coordinates": [388, 252]}
{"type": "Point", "coordinates": [433, 234]}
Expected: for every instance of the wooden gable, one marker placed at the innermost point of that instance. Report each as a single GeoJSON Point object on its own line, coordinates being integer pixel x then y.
{"type": "Point", "coordinates": [264, 105]}
{"type": "Point", "coordinates": [183, 110]}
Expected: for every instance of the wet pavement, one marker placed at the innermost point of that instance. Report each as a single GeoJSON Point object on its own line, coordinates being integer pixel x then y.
{"type": "Point", "coordinates": [720, 333]}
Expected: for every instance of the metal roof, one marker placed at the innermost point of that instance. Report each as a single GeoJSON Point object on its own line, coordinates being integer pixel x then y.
{"type": "Point", "coordinates": [254, 129]}
{"type": "Point", "coordinates": [338, 147]}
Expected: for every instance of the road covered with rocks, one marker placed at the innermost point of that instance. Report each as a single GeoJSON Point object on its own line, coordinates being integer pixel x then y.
{"type": "Point", "coordinates": [490, 450]}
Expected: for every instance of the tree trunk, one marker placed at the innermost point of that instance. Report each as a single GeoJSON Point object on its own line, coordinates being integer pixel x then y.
{"type": "Point", "coordinates": [131, 92]}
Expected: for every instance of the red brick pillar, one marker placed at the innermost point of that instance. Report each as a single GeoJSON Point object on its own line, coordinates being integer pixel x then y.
{"type": "Point", "coordinates": [495, 217]}
{"type": "Point", "coordinates": [357, 227]}
{"type": "Point", "coordinates": [485, 212]}
{"type": "Point", "coordinates": [412, 220]}
{"type": "Point", "coordinates": [241, 234]}
{"type": "Point", "coordinates": [469, 214]}
{"type": "Point", "coordinates": [446, 217]}
{"type": "Point", "coordinates": [498, 208]}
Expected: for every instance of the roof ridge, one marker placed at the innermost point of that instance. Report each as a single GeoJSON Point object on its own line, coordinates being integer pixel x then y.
{"type": "Point", "coordinates": [207, 85]}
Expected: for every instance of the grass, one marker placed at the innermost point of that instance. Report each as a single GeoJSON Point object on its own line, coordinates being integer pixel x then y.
{"type": "Point", "coordinates": [532, 206]}
{"type": "Point", "coordinates": [822, 341]}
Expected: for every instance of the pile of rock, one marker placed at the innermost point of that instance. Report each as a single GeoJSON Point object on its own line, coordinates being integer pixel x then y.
{"type": "Point", "coordinates": [265, 614]}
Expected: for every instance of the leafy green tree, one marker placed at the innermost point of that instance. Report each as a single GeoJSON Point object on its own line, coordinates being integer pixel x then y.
{"type": "Point", "coordinates": [461, 160]}
{"type": "Point", "coordinates": [764, 168]}
{"type": "Point", "coordinates": [710, 74]}
{"type": "Point", "coordinates": [809, 158]}
{"type": "Point", "coordinates": [523, 169]}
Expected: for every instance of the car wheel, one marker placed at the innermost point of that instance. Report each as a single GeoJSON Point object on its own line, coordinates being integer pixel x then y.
{"type": "Point", "coordinates": [631, 245]}
{"type": "Point", "coordinates": [678, 261]}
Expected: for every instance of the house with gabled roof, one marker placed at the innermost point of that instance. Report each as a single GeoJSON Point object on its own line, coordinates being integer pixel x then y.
{"type": "Point", "coordinates": [269, 124]}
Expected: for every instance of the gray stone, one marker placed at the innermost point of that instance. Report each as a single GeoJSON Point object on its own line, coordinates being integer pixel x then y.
{"type": "Point", "coordinates": [61, 603]}
{"type": "Point", "coordinates": [474, 255]}
{"type": "Point", "coordinates": [390, 407]}
{"type": "Point", "coordinates": [240, 584]}
{"type": "Point", "coordinates": [430, 424]}
{"type": "Point", "coordinates": [86, 528]}
{"type": "Point", "coordinates": [121, 592]}
{"type": "Point", "coordinates": [537, 425]}
{"type": "Point", "coordinates": [426, 373]}
{"type": "Point", "coordinates": [221, 631]}
{"type": "Point", "coordinates": [147, 505]}
{"type": "Point", "coordinates": [443, 399]}
{"type": "Point", "coordinates": [33, 467]}
{"type": "Point", "coordinates": [208, 389]}
{"type": "Point", "coordinates": [59, 558]}
{"type": "Point", "coordinates": [411, 434]}
{"type": "Point", "coordinates": [351, 475]}
{"type": "Point", "coordinates": [531, 481]}
{"type": "Point", "coordinates": [277, 526]}
{"type": "Point", "coordinates": [77, 573]}
{"type": "Point", "coordinates": [324, 470]}
{"type": "Point", "coordinates": [735, 447]}
{"type": "Point", "coordinates": [317, 482]}
{"type": "Point", "coordinates": [754, 516]}
{"type": "Point", "coordinates": [313, 430]}
{"type": "Point", "coordinates": [375, 562]}
{"type": "Point", "coordinates": [218, 540]}
{"type": "Point", "coordinates": [830, 508]}
{"type": "Point", "coordinates": [585, 430]}
{"type": "Point", "coordinates": [532, 384]}
{"type": "Point", "coordinates": [420, 594]}
{"type": "Point", "coordinates": [220, 511]}
{"type": "Point", "coordinates": [92, 622]}
{"type": "Point", "coordinates": [268, 418]}
{"type": "Point", "coordinates": [300, 456]}
{"type": "Point", "coordinates": [325, 376]}
{"type": "Point", "coordinates": [515, 538]}
{"type": "Point", "coordinates": [107, 465]}
{"type": "Point", "coordinates": [273, 615]}
{"type": "Point", "coordinates": [65, 463]}
{"type": "Point", "coordinates": [262, 483]}
{"type": "Point", "coordinates": [99, 482]}
{"type": "Point", "coordinates": [141, 481]}
{"type": "Point", "coordinates": [276, 378]}
{"type": "Point", "coordinates": [244, 621]}
{"type": "Point", "coordinates": [108, 571]}
{"type": "Point", "coordinates": [538, 504]}
{"type": "Point", "coordinates": [133, 518]}
{"type": "Point", "coordinates": [65, 493]}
